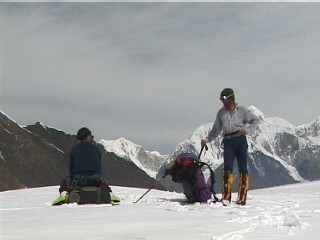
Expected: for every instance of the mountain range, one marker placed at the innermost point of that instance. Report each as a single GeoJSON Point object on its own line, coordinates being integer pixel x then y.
{"type": "Point", "coordinates": [279, 153]}
{"type": "Point", "coordinates": [37, 155]}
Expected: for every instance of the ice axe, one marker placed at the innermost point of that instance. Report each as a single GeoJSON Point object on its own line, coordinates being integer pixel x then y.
{"type": "Point", "coordinates": [204, 146]}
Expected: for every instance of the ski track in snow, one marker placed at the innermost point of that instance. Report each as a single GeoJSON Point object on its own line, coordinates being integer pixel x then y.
{"type": "Point", "coordinates": [287, 212]}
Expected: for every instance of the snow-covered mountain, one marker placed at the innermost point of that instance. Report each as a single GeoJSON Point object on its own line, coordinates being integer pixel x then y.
{"type": "Point", "coordinates": [310, 131]}
{"type": "Point", "coordinates": [279, 152]}
{"type": "Point", "coordinates": [298, 153]}
{"type": "Point", "coordinates": [149, 162]}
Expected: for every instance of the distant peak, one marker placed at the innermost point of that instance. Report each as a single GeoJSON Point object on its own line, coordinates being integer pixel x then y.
{"type": "Point", "coordinates": [122, 139]}
{"type": "Point", "coordinates": [314, 122]}
{"type": "Point", "coordinates": [256, 111]}
{"type": "Point", "coordinates": [121, 143]}
{"type": "Point", "coordinates": [125, 141]}
{"type": "Point", "coordinates": [40, 124]}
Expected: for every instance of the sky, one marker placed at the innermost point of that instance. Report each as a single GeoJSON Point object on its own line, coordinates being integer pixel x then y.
{"type": "Point", "coordinates": [153, 72]}
{"type": "Point", "coordinates": [289, 212]}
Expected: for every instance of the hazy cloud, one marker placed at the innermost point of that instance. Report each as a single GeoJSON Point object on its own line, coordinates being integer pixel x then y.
{"type": "Point", "coordinates": [152, 72]}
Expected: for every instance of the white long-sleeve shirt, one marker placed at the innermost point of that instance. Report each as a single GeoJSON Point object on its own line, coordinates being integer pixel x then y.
{"type": "Point", "coordinates": [230, 122]}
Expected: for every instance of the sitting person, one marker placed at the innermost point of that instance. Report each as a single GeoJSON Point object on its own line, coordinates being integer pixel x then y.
{"type": "Point", "coordinates": [84, 166]}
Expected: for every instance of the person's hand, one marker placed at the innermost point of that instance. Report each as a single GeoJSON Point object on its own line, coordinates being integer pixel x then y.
{"type": "Point", "coordinates": [243, 132]}
{"type": "Point", "coordinates": [204, 142]}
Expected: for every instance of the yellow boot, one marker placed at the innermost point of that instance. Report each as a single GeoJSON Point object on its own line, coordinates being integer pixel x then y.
{"type": "Point", "coordinates": [227, 181]}
{"type": "Point", "coordinates": [243, 188]}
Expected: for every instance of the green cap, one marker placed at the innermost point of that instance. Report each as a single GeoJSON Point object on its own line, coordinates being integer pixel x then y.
{"type": "Point", "coordinates": [227, 92]}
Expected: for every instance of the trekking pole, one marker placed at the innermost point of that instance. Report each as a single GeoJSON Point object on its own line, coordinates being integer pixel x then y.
{"type": "Point", "coordinates": [153, 185]}
{"type": "Point", "coordinates": [156, 182]}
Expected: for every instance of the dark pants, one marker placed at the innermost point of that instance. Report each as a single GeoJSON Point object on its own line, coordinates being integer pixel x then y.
{"type": "Point", "coordinates": [236, 147]}
{"type": "Point", "coordinates": [69, 183]}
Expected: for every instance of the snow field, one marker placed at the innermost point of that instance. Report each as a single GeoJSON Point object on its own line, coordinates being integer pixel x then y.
{"type": "Point", "coordinates": [286, 212]}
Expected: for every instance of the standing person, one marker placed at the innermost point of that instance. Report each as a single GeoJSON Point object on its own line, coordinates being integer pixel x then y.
{"type": "Point", "coordinates": [235, 122]}
{"type": "Point", "coordinates": [84, 166]}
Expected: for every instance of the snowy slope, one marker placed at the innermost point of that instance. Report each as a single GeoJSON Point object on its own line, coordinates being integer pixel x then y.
{"type": "Point", "coordinates": [267, 137]}
{"type": "Point", "coordinates": [284, 142]}
{"type": "Point", "coordinates": [286, 212]}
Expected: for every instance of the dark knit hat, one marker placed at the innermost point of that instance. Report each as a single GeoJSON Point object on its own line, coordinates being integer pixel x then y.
{"type": "Point", "coordinates": [228, 92]}
{"type": "Point", "coordinates": [83, 133]}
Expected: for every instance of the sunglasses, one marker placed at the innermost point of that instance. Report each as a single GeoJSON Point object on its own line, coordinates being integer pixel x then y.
{"type": "Point", "coordinates": [222, 98]}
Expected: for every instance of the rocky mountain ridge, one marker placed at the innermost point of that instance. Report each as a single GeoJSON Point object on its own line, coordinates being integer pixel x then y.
{"type": "Point", "coordinates": [37, 155]}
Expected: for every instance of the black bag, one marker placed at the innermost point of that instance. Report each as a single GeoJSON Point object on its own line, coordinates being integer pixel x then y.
{"type": "Point", "coordinates": [90, 195]}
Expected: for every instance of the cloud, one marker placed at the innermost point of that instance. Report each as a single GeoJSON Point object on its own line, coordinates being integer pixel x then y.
{"type": "Point", "coordinates": [152, 72]}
